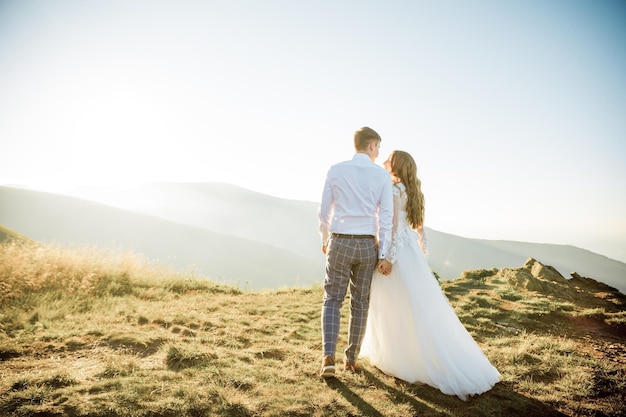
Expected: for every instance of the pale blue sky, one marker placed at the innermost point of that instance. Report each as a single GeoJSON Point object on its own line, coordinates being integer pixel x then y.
{"type": "Point", "coordinates": [515, 111]}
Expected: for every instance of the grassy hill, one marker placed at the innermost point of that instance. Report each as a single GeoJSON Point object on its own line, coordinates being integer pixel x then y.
{"type": "Point", "coordinates": [8, 234]}
{"type": "Point", "coordinates": [90, 333]}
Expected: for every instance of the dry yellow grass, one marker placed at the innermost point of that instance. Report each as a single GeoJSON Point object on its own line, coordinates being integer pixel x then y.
{"type": "Point", "coordinates": [91, 333]}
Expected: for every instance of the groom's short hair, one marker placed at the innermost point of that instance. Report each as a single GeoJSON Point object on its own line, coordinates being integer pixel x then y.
{"type": "Point", "coordinates": [363, 137]}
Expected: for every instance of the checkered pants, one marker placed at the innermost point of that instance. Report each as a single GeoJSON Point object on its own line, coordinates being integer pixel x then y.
{"type": "Point", "coordinates": [348, 262]}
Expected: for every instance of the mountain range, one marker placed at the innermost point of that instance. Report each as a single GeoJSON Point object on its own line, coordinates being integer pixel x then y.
{"type": "Point", "coordinates": [240, 237]}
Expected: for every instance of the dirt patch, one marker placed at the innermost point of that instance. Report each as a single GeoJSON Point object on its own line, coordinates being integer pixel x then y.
{"type": "Point", "coordinates": [590, 325]}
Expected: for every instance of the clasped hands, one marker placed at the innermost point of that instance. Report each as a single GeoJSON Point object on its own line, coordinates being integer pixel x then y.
{"type": "Point", "coordinates": [384, 267]}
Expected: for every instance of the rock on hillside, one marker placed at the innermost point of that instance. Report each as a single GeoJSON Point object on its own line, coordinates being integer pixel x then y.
{"type": "Point", "coordinates": [535, 276]}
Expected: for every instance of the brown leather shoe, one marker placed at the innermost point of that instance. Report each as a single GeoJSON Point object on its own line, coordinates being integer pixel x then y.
{"type": "Point", "coordinates": [328, 367]}
{"type": "Point", "coordinates": [349, 366]}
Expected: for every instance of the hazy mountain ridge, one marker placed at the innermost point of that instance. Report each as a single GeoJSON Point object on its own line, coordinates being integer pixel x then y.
{"type": "Point", "coordinates": [235, 211]}
{"type": "Point", "coordinates": [451, 255]}
{"type": "Point", "coordinates": [70, 221]}
{"type": "Point", "coordinates": [224, 207]}
{"type": "Point", "coordinates": [277, 237]}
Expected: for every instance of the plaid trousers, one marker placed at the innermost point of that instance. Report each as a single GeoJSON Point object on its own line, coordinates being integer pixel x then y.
{"type": "Point", "coordinates": [348, 262]}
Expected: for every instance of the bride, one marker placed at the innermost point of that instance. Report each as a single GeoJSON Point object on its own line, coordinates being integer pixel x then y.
{"type": "Point", "coordinates": [412, 331]}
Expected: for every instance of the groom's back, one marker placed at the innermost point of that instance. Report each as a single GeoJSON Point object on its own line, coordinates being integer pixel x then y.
{"type": "Point", "coordinates": [357, 186]}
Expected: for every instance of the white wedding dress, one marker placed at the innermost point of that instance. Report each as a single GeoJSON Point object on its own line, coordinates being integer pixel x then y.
{"type": "Point", "coordinates": [412, 330]}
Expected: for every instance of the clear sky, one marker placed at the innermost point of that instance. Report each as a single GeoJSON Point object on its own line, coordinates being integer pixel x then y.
{"type": "Point", "coordinates": [515, 111]}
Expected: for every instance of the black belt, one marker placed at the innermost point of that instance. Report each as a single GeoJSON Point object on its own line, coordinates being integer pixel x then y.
{"type": "Point", "coordinates": [339, 235]}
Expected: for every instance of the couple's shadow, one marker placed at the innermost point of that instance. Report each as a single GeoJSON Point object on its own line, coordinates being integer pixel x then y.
{"type": "Point", "coordinates": [368, 409]}
{"type": "Point", "coordinates": [427, 401]}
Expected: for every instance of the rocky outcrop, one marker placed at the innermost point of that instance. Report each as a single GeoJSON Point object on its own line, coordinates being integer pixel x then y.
{"type": "Point", "coordinates": [534, 276]}
{"type": "Point", "coordinates": [545, 272]}
{"type": "Point", "coordinates": [586, 292]}
{"type": "Point", "coordinates": [590, 284]}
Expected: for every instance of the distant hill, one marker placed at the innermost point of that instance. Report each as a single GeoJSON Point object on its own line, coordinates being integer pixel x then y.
{"type": "Point", "coordinates": [211, 225]}
{"type": "Point", "coordinates": [70, 221]}
{"type": "Point", "coordinates": [450, 255]}
{"type": "Point", "coordinates": [226, 209]}
{"type": "Point", "coordinates": [292, 225]}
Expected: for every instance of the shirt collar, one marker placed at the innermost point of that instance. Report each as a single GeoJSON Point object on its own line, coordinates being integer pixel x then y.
{"type": "Point", "coordinates": [361, 157]}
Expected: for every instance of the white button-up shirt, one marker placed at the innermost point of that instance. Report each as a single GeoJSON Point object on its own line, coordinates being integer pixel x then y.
{"type": "Point", "coordinates": [357, 200]}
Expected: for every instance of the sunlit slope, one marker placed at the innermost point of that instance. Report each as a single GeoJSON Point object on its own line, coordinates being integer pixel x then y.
{"type": "Point", "coordinates": [131, 339]}
{"type": "Point", "coordinates": [6, 234]}
{"type": "Point", "coordinates": [53, 218]}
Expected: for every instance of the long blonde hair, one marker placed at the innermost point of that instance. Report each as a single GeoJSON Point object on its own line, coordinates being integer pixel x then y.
{"type": "Point", "coordinates": [403, 166]}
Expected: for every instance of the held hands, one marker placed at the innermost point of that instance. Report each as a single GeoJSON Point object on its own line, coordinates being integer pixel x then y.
{"type": "Point", "coordinates": [384, 267]}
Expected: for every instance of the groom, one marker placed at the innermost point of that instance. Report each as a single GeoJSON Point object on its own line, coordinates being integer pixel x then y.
{"type": "Point", "coordinates": [355, 217]}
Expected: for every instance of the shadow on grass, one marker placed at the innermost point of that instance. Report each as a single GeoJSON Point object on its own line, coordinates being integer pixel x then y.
{"type": "Point", "coordinates": [428, 401]}
{"type": "Point", "coordinates": [419, 406]}
{"type": "Point", "coordinates": [365, 408]}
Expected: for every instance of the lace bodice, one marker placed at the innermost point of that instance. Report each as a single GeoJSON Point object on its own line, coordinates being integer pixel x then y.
{"type": "Point", "coordinates": [402, 233]}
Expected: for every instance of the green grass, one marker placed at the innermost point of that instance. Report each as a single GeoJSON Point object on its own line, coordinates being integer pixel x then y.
{"type": "Point", "coordinates": [91, 333]}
